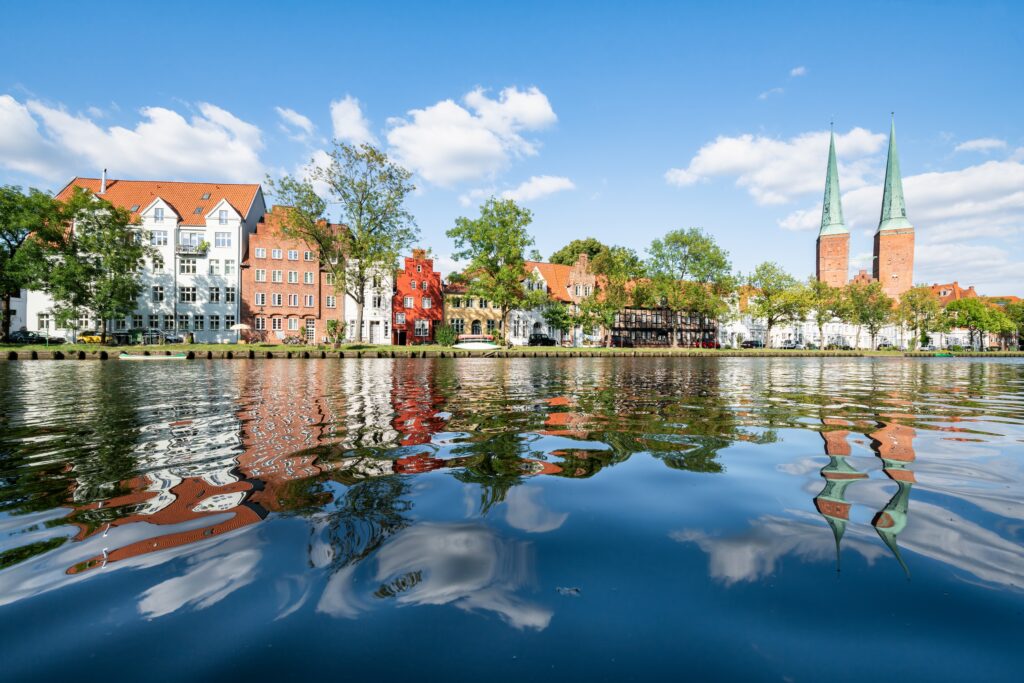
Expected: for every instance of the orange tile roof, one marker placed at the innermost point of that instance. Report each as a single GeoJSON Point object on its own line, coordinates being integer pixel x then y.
{"type": "Point", "coordinates": [557, 277]}
{"type": "Point", "coordinates": [183, 197]}
{"type": "Point", "coordinates": [951, 292]}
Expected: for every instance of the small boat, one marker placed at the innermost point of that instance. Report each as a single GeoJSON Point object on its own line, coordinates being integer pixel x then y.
{"type": "Point", "coordinates": [132, 356]}
{"type": "Point", "coordinates": [475, 342]}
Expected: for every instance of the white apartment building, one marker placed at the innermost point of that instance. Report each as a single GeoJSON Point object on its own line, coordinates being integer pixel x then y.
{"type": "Point", "coordinates": [378, 292]}
{"type": "Point", "coordinates": [201, 232]}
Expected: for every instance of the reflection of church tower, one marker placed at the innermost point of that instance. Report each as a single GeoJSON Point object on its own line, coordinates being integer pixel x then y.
{"type": "Point", "coordinates": [838, 475]}
{"type": "Point", "coordinates": [833, 263]}
{"type": "Point", "coordinates": [894, 444]}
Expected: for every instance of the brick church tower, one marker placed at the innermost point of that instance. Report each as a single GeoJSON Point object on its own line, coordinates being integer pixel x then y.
{"type": "Point", "coordinates": [894, 240]}
{"type": "Point", "coordinates": [834, 238]}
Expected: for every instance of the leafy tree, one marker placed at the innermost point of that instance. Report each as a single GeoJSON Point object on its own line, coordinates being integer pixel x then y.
{"type": "Point", "coordinates": [616, 268]}
{"type": "Point", "coordinates": [494, 245]}
{"type": "Point", "coordinates": [689, 273]}
{"type": "Point", "coordinates": [921, 311]}
{"type": "Point", "coordinates": [870, 307]}
{"type": "Point", "coordinates": [557, 316]}
{"type": "Point", "coordinates": [569, 254]}
{"type": "Point", "coordinates": [826, 302]}
{"type": "Point", "coordinates": [445, 335]}
{"type": "Point", "coordinates": [371, 191]}
{"type": "Point", "coordinates": [20, 216]}
{"type": "Point", "coordinates": [972, 314]}
{"type": "Point", "coordinates": [94, 267]}
{"type": "Point", "coordinates": [774, 300]}
{"type": "Point", "coordinates": [1015, 312]}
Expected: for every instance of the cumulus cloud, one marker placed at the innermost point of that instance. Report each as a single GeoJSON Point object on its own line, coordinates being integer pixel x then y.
{"type": "Point", "coordinates": [297, 126]}
{"type": "Point", "coordinates": [538, 186]}
{"type": "Point", "coordinates": [775, 171]}
{"type": "Point", "coordinates": [448, 143]}
{"type": "Point", "coordinates": [981, 145]}
{"type": "Point", "coordinates": [768, 93]}
{"type": "Point", "coordinates": [350, 125]}
{"type": "Point", "coordinates": [51, 143]}
{"type": "Point", "coordinates": [798, 71]}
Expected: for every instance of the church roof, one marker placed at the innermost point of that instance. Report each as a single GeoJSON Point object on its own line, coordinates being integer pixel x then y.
{"type": "Point", "coordinates": [832, 207]}
{"type": "Point", "coordinates": [894, 210]}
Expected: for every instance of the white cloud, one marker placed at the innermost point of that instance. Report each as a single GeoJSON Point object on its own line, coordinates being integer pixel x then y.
{"type": "Point", "coordinates": [798, 71]}
{"type": "Point", "coordinates": [447, 143]}
{"type": "Point", "coordinates": [538, 186]}
{"type": "Point", "coordinates": [768, 93]}
{"type": "Point", "coordinates": [51, 143]}
{"type": "Point", "coordinates": [477, 196]}
{"type": "Point", "coordinates": [349, 123]}
{"type": "Point", "coordinates": [297, 126]}
{"type": "Point", "coordinates": [980, 145]}
{"type": "Point", "coordinates": [775, 171]}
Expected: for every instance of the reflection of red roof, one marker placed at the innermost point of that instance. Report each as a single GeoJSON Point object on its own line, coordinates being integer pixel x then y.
{"type": "Point", "coordinates": [184, 198]}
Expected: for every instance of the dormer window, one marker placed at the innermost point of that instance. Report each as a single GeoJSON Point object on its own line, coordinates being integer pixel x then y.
{"type": "Point", "coordinates": [198, 211]}
{"type": "Point", "coordinates": [158, 214]}
{"type": "Point", "coordinates": [222, 216]}
{"type": "Point", "coordinates": [206, 195]}
{"type": "Point", "coordinates": [135, 208]}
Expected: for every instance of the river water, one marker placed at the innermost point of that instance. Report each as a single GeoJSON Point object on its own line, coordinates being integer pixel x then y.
{"type": "Point", "coordinates": [584, 519]}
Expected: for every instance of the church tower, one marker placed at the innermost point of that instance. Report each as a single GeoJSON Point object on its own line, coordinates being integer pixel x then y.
{"type": "Point", "coordinates": [834, 238]}
{"type": "Point", "coordinates": [894, 239]}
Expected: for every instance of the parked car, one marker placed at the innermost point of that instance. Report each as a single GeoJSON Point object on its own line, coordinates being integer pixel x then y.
{"type": "Point", "coordinates": [89, 337]}
{"type": "Point", "coordinates": [541, 340]}
{"type": "Point", "coordinates": [709, 345]}
{"type": "Point", "coordinates": [993, 348]}
{"type": "Point", "coordinates": [792, 346]}
{"type": "Point", "coordinates": [23, 337]}
{"type": "Point", "coordinates": [155, 336]}
{"type": "Point", "coordinates": [886, 346]}
{"type": "Point", "coordinates": [929, 347]}
{"type": "Point", "coordinates": [621, 342]}
{"type": "Point", "coordinates": [752, 344]}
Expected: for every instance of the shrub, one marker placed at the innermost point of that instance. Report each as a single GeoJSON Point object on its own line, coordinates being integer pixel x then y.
{"type": "Point", "coordinates": [445, 335]}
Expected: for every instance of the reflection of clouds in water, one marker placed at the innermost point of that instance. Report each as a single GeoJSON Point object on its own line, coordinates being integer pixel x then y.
{"type": "Point", "coordinates": [213, 575]}
{"type": "Point", "coordinates": [465, 565]}
{"type": "Point", "coordinates": [525, 510]}
{"type": "Point", "coordinates": [753, 554]}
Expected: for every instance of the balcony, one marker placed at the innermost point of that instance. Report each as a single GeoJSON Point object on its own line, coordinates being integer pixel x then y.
{"type": "Point", "coordinates": [193, 249]}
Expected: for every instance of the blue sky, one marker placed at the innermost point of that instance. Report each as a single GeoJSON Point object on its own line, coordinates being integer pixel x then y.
{"type": "Point", "coordinates": [596, 102]}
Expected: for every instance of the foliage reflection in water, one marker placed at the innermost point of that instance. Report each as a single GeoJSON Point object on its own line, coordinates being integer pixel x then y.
{"type": "Point", "coordinates": [710, 497]}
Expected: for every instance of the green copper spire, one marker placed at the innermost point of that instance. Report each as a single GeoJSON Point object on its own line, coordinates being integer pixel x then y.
{"type": "Point", "coordinates": [832, 207]}
{"type": "Point", "coordinates": [894, 211]}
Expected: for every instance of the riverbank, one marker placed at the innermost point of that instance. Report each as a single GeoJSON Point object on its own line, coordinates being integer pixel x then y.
{"type": "Point", "coordinates": [233, 351]}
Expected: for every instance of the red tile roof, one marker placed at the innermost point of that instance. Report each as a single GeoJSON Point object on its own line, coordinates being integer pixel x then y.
{"type": "Point", "coordinates": [183, 197]}
{"type": "Point", "coordinates": [951, 292]}
{"type": "Point", "coordinates": [557, 277]}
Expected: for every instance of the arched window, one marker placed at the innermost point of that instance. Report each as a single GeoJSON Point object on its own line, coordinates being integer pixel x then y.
{"type": "Point", "coordinates": [475, 329]}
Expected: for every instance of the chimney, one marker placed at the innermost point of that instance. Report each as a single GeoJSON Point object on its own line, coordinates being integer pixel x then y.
{"type": "Point", "coordinates": [103, 182]}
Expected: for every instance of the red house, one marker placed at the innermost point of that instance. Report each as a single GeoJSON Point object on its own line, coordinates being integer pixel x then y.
{"type": "Point", "coordinates": [417, 307]}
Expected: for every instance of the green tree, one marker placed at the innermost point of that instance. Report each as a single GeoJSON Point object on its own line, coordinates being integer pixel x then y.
{"type": "Point", "coordinates": [1015, 312]}
{"type": "Point", "coordinates": [21, 215]}
{"type": "Point", "coordinates": [557, 316]}
{"type": "Point", "coordinates": [370, 191]}
{"type": "Point", "coordinates": [921, 311]}
{"type": "Point", "coordinates": [870, 307]}
{"type": "Point", "coordinates": [616, 268]}
{"type": "Point", "coordinates": [494, 244]}
{"type": "Point", "coordinates": [774, 300]}
{"type": "Point", "coordinates": [973, 314]}
{"type": "Point", "coordinates": [825, 302]}
{"type": "Point", "coordinates": [568, 254]}
{"type": "Point", "coordinates": [445, 335]}
{"type": "Point", "coordinates": [689, 273]}
{"type": "Point", "coordinates": [93, 268]}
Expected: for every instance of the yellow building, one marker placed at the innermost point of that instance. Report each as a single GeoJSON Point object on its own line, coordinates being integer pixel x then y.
{"type": "Point", "coordinates": [469, 314]}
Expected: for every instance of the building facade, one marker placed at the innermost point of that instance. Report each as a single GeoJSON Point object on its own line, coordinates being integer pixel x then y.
{"type": "Point", "coordinates": [285, 290]}
{"type": "Point", "coordinates": [377, 297]}
{"type": "Point", "coordinates": [201, 232]}
{"type": "Point", "coordinates": [469, 314]}
{"type": "Point", "coordinates": [418, 302]}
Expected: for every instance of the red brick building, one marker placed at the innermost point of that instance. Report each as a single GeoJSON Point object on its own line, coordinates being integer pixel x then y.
{"type": "Point", "coordinates": [418, 307]}
{"type": "Point", "coordinates": [285, 292]}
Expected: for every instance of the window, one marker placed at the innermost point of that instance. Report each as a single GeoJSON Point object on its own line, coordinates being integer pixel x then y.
{"type": "Point", "coordinates": [158, 294]}
{"type": "Point", "coordinates": [293, 254]}
{"type": "Point", "coordinates": [222, 218]}
{"type": "Point", "coordinates": [198, 210]}
{"type": "Point", "coordinates": [275, 299]}
{"type": "Point", "coordinates": [275, 323]}
{"type": "Point", "coordinates": [261, 252]}
{"type": "Point", "coordinates": [419, 268]}
{"type": "Point", "coordinates": [261, 299]}
{"type": "Point", "coordinates": [229, 295]}
{"type": "Point", "coordinates": [293, 300]}
{"type": "Point", "coordinates": [157, 265]}
{"type": "Point", "coordinates": [469, 303]}
{"type": "Point", "coordinates": [187, 266]}
{"type": "Point", "coordinates": [330, 302]}
{"type": "Point", "coordinates": [154, 320]}
{"type": "Point", "coordinates": [206, 195]}
{"type": "Point", "coordinates": [261, 275]}
{"type": "Point", "coordinates": [376, 281]}
{"type": "Point", "coordinates": [309, 301]}
{"type": "Point", "coordinates": [121, 324]}
{"type": "Point", "coordinates": [198, 323]}
{"type": "Point", "coordinates": [44, 321]}
{"type": "Point", "coordinates": [490, 326]}
{"type": "Point", "coordinates": [190, 239]}
{"type": "Point", "coordinates": [399, 318]}
{"type": "Point", "coordinates": [168, 321]}
{"type": "Point", "coordinates": [307, 277]}
{"type": "Point", "coordinates": [378, 301]}
{"type": "Point", "coordinates": [458, 324]}
{"type": "Point", "coordinates": [276, 275]}
{"type": "Point", "coordinates": [222, 239]}
{"type": "Point", "coordinates": [483, 303]}
{"type": "Point", "coordinates": [456, 303]}
{"type": "Point", "coordinates": [293, 323]}
{"type": "Point", "coordinates": [229, 267]}
{"type": "Point", "coordinates": [187, 295]}
{"type": "Point", "coordinates": [214, 322]}
{"type": "Point", "coordinates": [183, 321]}
{"type": "Point", "coordinates": [214, 266]}
{"type": "Point", "coordinates": [229, 321]}
{"type": "Point", "coordinates": [422, 328]}
{"type": "Point", "coordinates": [275, 253]}
{"type": "Point", "coordinates": [137, 318]}
{"type": "Point", "coordinates": [577, 290]}
{"type": "Point", "coordinates": [412, 284]}
{"type": "Point", "coordinates": [307, 255]}
{"type": "Point", "coordinates": [214, 295]}
{"type": "Point", "coordinates": [407, 302]}
{"type": "Point", "coordinates": [260, 323]}
{"type": "Point", "coordinates": [158, 238]}
{"type": "Point", "coordinates": [293, 277]}
{"type": "Point", "coordinates": [329, 279]}
{"type": "Point", "coordinates": [426, 302]}
{"type": "Point", "coordinates": [158, 214]}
